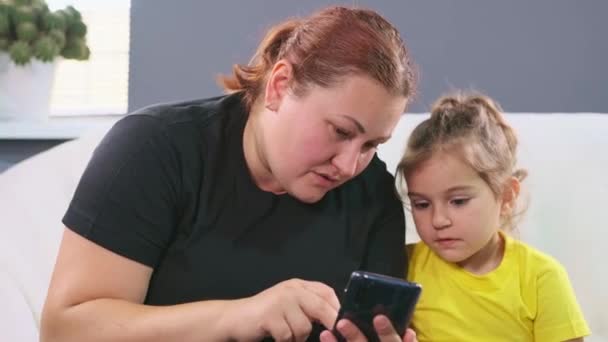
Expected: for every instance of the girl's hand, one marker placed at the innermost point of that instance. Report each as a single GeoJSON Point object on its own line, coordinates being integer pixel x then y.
{"type": "Point", "coordinates": [285, 311]}
{"type": "Point", "coordinates": [383, 327]}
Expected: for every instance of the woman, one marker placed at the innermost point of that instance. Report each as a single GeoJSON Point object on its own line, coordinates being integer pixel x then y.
{"type": "Point", "coordinates": [240, 217]}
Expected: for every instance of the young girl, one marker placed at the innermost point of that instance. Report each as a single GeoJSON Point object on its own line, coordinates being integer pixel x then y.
{"type": "Point", "coordinates": [479, 284]}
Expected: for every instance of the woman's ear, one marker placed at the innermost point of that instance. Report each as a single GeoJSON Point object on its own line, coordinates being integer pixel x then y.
{"type": "Point", "coordinates": [278, 84]}
{"type": "Point", "coordinates": [510, 194]}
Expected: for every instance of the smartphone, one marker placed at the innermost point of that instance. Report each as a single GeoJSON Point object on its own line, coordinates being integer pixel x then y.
{"type": "Point", "coordinates": [369, 294]}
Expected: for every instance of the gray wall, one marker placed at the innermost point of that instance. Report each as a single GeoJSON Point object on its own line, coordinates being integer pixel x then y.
{"type": "Point", "coordinates": [537, 56]}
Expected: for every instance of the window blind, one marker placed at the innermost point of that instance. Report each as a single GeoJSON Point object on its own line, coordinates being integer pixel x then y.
{"type": "Point", "coordinates": [98, 86]}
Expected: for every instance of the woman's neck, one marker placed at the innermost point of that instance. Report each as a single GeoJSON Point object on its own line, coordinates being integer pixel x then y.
{"type": "Point", "coordinates": [254, 154]}
{"type": "Point", "coordinates": [486, 259]}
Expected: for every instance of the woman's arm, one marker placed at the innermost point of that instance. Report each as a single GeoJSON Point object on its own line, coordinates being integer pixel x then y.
{"type": "Point", "coordinates": [97, 295]}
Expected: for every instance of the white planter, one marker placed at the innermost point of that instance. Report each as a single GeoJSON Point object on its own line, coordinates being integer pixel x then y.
{"type": "Point", "coordinates": [25, 91]}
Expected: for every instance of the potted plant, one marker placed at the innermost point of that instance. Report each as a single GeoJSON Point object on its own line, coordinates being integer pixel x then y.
{"type": "Point", "coordinates": [32, 38]}
{"type": "Point", "coordinates": [29, 30]}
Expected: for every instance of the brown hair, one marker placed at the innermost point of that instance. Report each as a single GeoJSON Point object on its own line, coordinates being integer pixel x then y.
{"type": "Point", "coordinates": [473, 126]}
{"type": "Point", "coordinates": [331, 43]}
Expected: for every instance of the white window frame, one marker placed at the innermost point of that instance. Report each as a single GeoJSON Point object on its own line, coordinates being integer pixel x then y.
{"type": "Point", "coordinates": [98, 86]}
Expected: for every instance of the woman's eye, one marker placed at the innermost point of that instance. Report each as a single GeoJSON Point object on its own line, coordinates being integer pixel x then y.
{"type": "Point", "coordinates": [342, 133]}
{"type": "Point", "coordinates": [460, 201]}
{"type": "Point", "coordinates": [370, 146]}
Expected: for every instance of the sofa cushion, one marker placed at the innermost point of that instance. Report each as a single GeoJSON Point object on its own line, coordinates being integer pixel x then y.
{"type": "Point", "coordinates": [34, 195]}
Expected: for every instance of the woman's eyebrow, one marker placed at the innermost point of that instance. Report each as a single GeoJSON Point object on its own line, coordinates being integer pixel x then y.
{"type": "Point", "coordinates": [361, 129]}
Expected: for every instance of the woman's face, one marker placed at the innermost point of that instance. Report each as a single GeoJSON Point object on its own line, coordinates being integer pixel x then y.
{"type": "Point", "coordinates": [318, 141]}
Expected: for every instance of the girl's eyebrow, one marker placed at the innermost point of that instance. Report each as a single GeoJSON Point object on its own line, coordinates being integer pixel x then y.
{"type": "Point", "coordinates": [460, 188]}
{"type": "Point", "coordinates": [450, 190]}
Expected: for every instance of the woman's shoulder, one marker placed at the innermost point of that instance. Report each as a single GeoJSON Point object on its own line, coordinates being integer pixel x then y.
{"type": "Point", "coordinates": [377, 168]}
{"type": "Point", "coordinates": [197, 111]}
{"type": "Point", "coordinates": [373, 188]}
{"type": "Point", "coordinates": [180, 123]}
{"type": "Point", "coordinates": [377, 176]}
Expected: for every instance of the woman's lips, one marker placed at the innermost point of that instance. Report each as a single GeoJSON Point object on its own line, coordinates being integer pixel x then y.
{"type": "Point", "coordinates": [325, 180]}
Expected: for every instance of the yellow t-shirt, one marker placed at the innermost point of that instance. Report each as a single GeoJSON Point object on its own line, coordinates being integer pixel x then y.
{"type": "Point", "coordinates": [528, 297]}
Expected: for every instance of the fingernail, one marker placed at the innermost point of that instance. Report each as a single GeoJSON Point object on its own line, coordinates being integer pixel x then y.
{"type": "Point", "coordinates": [383, 323]}
{"type": "Point", "coordinates": [343, 328]}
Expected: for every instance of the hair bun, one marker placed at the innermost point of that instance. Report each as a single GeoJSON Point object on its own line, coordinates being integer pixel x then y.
{"type": "Point", "coordinates": [520, 174]}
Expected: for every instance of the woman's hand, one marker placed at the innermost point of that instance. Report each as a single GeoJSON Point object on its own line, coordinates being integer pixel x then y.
{"type": "Point", "coordinates": [383, 327]}
{"type": "Point", "coordinates": [285, 311]}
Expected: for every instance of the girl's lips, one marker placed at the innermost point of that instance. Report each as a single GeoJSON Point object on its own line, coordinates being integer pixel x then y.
{"type": "Point", "coordinates": [447, 242]}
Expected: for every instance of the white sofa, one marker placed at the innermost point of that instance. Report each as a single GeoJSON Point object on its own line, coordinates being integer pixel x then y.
{"type": "Point", "coordinates": [567, 217]}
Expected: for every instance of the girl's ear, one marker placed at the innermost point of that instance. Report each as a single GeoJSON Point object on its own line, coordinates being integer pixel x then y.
{"type": "Point", "coordinates": [278, 83]}
{"type": "Point", "coordinates": [510, 194]}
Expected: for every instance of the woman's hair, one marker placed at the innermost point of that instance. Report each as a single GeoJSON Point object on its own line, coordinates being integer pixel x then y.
{"type": "Point", "coordinates": [329, 44]}
{"type": "Point", "coordinates": [473, 127]}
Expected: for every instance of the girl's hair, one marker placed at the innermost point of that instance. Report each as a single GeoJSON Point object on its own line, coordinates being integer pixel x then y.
{"type": "Point", "coordinates": [334, 42]}
{"type": "Point", "coordinates": [471, 125]}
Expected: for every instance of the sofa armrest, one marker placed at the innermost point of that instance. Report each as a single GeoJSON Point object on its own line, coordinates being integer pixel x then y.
{"type": "Point", "coordinates": [17, 322]}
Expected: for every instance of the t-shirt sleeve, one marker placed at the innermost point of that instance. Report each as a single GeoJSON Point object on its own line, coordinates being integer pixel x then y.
{"type": "Point", "coordinates": [126, 200]}
{"type": "Point", "coordinates": [559, 317]}
{"type": "Point", "coordinates": [385, 254]}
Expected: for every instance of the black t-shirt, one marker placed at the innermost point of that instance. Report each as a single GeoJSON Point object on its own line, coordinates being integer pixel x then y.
{"type": "Point", "coordinates": [168, 187]}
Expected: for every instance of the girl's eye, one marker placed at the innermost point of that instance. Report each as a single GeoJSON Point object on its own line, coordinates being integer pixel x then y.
{"type": "Point", "coordinates": [420, 205]}
{"type": "Point", "coordinates": [460, 201]}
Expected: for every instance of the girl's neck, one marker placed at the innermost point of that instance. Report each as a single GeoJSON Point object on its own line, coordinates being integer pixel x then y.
{"type": "Point", "coordinates": [487, 258]}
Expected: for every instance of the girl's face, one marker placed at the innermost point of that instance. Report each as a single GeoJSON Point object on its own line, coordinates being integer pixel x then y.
{"type": "Point", "coordinates": [316, 142]}
{"type": "Point", "coordinates": [455, 212]}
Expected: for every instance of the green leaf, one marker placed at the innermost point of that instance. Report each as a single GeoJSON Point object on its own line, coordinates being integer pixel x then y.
{"type": "Point", "coordinates": [23, 14]}
{"type": "Point", "coordinates": [45, 49]}
{"type": "Point", "coordinates": [4, 24]}
{"type": "Point", "coordinates": [20, 52]}
{"type": "Point", "coordinates": [26, 31]}
{"type": "Point", "coordinates": [4, 44]}
{"type": "Point", "coordinates": [53, 21]}
{"type": "Point", "coordinates": [78, 29]}
{"type": "Point", "coordinates": [75, 48]}
{"type": "Point", "coordinates": [58, 36]}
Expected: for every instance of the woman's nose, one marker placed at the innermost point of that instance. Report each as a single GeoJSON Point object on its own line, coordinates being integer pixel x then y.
{"type": "Point", "coordinates": [347, 162]}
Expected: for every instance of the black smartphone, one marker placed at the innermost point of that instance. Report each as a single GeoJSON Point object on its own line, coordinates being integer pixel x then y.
{"type": "Point", "coordinates": [369, 294]}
